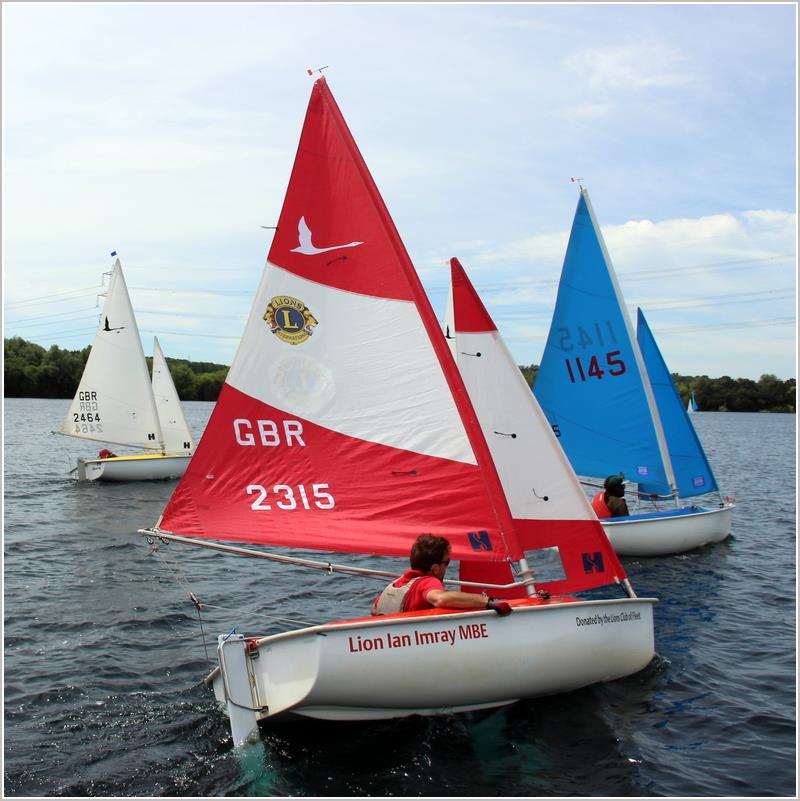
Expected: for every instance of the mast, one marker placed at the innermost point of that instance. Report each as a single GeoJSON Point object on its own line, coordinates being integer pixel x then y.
{"type": "Point", "coordinates": [648, 390]}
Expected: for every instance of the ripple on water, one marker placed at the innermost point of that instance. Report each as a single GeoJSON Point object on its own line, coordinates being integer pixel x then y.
{"type": "Point", "coordinates": [104, 658]}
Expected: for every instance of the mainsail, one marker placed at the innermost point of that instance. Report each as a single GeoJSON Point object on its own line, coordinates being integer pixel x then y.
{"type": "Point", "coordinates": [114, 401]}
{"type": "Point", "coordinates": [177, 437]}
{"type": "Point", "coordinates": [592, 384]}
{"type": "Point", "coordinates": [546, 501]}
{"type": "Point", "coordinates": [693, 473]}
{"type": "Point", "coordinates": [343, 424]}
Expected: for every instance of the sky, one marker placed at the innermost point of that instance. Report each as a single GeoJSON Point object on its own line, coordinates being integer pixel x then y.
{"type": "Point", "coordinates": [167, 132]}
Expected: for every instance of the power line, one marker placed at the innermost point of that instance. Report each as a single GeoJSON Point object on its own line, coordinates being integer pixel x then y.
{"type": "Point", "coordinates": [684, 329]}
{"type": "Point", "coordinates": [59, 314]}
{"type": "Point", "coordinates": [711, 300]}
{"type": "Point", "coordinates": [49, 298]}
{"type": "Point", "coordinates": [495, 287]}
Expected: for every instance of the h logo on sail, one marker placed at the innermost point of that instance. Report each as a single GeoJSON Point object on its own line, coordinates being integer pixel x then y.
{"type": "Point", "coordinates": [593, 562]}
{"type": "Point", "coordinates": [479, 540]}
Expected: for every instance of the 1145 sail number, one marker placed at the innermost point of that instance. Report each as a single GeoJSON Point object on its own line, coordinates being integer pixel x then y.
{"type": "Point", "coordinates": [581, 370]}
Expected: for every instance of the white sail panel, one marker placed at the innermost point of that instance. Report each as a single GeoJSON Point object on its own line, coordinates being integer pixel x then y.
{"type": "Point", "coordinates": [114, 401]}
{"type": "Point", "coordinates": [366, 370]}
{"type": "Point", "coordinates": [536, 476]}
{"type": "Point", "coordinates": [175, 430]}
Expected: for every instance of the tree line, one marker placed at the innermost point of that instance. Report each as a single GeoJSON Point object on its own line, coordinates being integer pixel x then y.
{"type": "Point", "coordinates": [725, 394]}
{"type": "Point", "coordinates": [31, 371]}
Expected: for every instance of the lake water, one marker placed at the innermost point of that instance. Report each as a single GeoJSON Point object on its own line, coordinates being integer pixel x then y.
{"type": "Point", "coordinates": [104, 654]}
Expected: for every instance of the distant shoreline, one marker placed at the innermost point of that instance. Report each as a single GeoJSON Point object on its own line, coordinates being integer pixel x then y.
{"type": "Point", "coordinates": [31, 371]}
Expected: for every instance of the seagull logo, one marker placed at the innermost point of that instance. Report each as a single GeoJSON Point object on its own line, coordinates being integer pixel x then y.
{"type": "Point", "coordinates": [307, 247]}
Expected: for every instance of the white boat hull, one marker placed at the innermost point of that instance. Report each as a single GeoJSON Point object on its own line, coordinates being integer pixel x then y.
{"type": "Point", "coordinates": [432, 662]}
{"type": "Point", "coordinates": [139, 467]}
{"type": "Point", "coordinates": [669, 534]}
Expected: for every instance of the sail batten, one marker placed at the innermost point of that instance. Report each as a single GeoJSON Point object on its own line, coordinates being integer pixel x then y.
{"type": "Point", "coordinates": [343, 424]}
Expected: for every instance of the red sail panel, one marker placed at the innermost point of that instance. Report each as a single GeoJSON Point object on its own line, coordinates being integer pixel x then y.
{"type": "Point", "coordinates": [334, 227]}
{"type": "Point", "coordinates": [586, 554]}
{"type": "Point", "coordinates": [489, 573]}
{"type": "Point", "coordinates": [252, 481]}
{"type": "Point", "coordinates": [469, 312]}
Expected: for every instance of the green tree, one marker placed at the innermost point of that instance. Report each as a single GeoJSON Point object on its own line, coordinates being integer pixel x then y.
{"type": "Point", "coordinates": [185, 381]}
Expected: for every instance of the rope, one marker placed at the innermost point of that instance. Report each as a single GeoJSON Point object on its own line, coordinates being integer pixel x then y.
{"type": "Point", "coordinates": [179, 578]}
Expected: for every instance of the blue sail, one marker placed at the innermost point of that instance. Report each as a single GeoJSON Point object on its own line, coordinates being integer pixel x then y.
{"type": "Point", "coordinates": [589, 384]}
{"type": "Point", "coordinates": [694, 403]}
{"type": "Point", "coordinates": [693, 474]}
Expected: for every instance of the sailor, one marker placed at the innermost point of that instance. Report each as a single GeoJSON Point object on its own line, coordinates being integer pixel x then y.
{"type": "Point", "coordinates": [421, 587]}
{"type": "Point", "coordinates": [106, 454]}
{"type": "Point", "coordinates": [611, 502]}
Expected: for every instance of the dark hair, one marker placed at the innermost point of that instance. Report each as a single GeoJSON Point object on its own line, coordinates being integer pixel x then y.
{"type": "Point", "coordinates": [428, 551]}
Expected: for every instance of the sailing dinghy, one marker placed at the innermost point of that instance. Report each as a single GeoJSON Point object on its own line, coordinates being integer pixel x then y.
{"type": "Point", "coordinates": [614, 407]}
{"type": "Point", "coordinates": [691, 405]}
{"type": "Point", "coordinates": [117, 403]}
{"type": "Point", "coordinates": [344, 426]}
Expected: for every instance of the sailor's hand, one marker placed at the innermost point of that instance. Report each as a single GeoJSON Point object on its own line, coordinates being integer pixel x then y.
{"type": "Point", "coordinates": [501, 607]}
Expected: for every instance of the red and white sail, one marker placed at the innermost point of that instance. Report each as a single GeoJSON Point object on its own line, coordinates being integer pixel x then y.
{"type": "Point", "coordinates": [546, 501]}
{"type": "Point", "coordinates": [343, 424]}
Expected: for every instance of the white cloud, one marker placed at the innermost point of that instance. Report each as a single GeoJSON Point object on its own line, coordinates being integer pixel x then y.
{"type": "Point", "coordinates": [642, 65]}
{"type": "Point", "coordinates": [168, 131]}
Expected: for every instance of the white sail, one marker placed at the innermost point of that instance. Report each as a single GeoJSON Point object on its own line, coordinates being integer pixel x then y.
{"type": "Point", "coordinates": [114, 401]}
{"type": "Point", "coordinates": [177, 437]}
{"type": "Point", "coordinates": [538, 480]}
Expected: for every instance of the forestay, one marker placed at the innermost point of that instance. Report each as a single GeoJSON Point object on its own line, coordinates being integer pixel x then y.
{"type": "Point", "coordinates": [114, 401]}
{"type": "Point", "coordinates": [693, 473]}
{"type": "Point", "coordinates": [343, 424]}
{"type": "Point", "coordinates": [591, 383]}
{"type": "Point", "coordinates": [177, 437]}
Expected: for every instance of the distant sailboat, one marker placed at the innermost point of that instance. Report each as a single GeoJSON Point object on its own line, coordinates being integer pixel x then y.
{"type": "Point", "coordinates": [691, 406]}
{"type": "Point", "coordinates": [117, 403]}
{"type": "Point", "coordinates": [344, 426]}
{"type": "Point", "coordinates": [614, 407]}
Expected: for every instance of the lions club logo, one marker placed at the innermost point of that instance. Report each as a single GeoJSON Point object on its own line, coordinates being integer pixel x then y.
{"type": "Point", "coordinates": [289, 319]}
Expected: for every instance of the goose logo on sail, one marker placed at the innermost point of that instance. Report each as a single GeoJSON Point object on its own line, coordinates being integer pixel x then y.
{"type": "Point", "coordinates": [307, 247]}
{"type": "Point", "coordinates": [107, 327]}
{"type": "Point", "coordinates": [289, 319]}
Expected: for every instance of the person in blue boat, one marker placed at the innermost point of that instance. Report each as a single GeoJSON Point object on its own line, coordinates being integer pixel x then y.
{"type": "Point", "coordinates": [611, 501]}
{"type": "Point", "coordinates": [421, 587]}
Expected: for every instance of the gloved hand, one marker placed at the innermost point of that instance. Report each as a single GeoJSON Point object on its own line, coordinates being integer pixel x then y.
{"type": "Point", "coordinates": [501, 607]}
